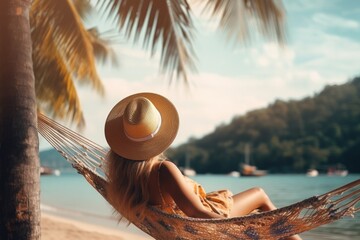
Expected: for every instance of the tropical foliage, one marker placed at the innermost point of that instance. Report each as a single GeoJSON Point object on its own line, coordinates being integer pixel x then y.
{"type": "Point", "coordinates": [64, 53]}
{"type": "Point", "coordinates": [64, 50]}
{"type": "Point", "coordinates": [287, 136]}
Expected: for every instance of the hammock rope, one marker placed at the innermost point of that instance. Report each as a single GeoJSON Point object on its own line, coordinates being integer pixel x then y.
{"type": "Point", "coordinates": [88, 158]}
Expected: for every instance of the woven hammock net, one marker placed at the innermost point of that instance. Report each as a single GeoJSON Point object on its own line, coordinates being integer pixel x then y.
{"type": "Point", "coordinates": [88, 158]}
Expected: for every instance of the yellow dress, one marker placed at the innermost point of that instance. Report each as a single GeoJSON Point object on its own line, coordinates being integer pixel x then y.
{"type": "Point", "coordinates": [219, 202]}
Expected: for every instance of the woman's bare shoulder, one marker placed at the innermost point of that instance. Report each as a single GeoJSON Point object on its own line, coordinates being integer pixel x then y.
{"type": "Point", "coordinates": [169, 170]}
{"type": "Point", "coordinates": [168, 164]}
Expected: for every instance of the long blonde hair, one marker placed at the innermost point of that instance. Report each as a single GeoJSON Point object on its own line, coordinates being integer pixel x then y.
{"type": "Point", "coordinates": [128, 185]}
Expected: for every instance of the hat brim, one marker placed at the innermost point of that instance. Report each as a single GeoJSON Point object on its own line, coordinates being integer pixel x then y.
{"type": "Point", "coordinates": [123, 146]}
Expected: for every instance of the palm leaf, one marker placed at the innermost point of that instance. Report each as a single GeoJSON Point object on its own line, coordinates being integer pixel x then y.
{"type": "Point", "coordinates": [63, 53]}
{"type": "Point", "coordinates": [162, 24]}
{"type": "Point", "coordinates": [55, 89]}
{"type": "Point", "coordinates": [236, 17]}
{"type": "Point", "coordinates": [101, 43]}
{"type": "Point", "coordinates": [83, 8]}
{"type": "Point", "coordinates": [60, 23]}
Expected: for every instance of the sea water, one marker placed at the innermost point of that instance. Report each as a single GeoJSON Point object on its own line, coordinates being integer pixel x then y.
{"type": "Point", "coordinates": [70, 196]}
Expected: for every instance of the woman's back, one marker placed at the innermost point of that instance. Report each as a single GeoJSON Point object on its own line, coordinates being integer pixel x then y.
{"type": "Point", "coordinates": [173, 193]}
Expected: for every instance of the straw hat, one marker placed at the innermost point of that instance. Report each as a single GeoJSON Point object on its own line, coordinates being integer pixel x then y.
{"type": "Point", "coordinates": [141, 126]}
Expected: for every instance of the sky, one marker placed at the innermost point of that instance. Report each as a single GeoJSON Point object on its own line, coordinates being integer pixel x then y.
{"type": "Point", "coordinates": [322, 48]}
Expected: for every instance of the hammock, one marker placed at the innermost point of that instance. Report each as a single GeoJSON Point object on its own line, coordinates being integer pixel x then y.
{"type": "Point", "coordinates": [88, 159]}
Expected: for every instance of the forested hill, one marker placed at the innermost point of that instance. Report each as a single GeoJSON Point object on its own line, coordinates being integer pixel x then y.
{"type": "Point", "coordinates": [287, 136]}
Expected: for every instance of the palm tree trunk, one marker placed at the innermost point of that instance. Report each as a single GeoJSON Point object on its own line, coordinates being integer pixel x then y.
{"type": "Point", "coordinates": [19, 162]}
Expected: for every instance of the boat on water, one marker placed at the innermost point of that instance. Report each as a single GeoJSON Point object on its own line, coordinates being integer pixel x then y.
{"type": "Point", "coordinates": [312, 172]}
{"type": "Point", "coordinates": [49, 171]}
{"type": "Point", "coordinates": [187, 170]}
{"type": "Point", "coordinates": [248, 170]}
{"type": "Point", "coordinates": [338, 170]}
{"type": "Point", "coordinates": [234, 174]}
{"type": "Point", "coordinates": [341, 173]}
{"type": "Point", "coordinates": [251, 171]}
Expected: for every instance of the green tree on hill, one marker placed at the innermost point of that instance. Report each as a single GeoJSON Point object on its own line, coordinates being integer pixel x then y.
{"type": "Point", "coordinates": [316, 132]}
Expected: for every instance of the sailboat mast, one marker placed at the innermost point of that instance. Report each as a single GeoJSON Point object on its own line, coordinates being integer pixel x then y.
{"type": "Point", "coordinates": [187, 161]}
{"type": "Point", "coordinates": [247, 154]}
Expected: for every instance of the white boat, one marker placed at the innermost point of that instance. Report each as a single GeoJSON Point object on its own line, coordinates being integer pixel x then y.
{"type": "Point", "coordinates": [341, 173]}
{"type": "Point", "coordinates": [338, 170]}
{"type": "Point", "coordinates": [312, 173]}
{"type": "Point", "coordinates": [234, 174]}
{"type": "Point", "coordinates": [188, 172]}
{"type": "Point", "coordinates": [49, 171]}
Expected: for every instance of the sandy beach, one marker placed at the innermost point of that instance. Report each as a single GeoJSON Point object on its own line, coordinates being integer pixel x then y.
{"type": "Point", "coordinates": [57, 228]}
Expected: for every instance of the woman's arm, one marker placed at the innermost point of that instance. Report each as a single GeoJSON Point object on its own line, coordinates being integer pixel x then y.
{"type": "Point", "coordinates": [174, 183]}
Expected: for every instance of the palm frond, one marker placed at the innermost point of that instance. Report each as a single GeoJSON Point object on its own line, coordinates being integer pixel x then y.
{"type": "Point", "coordinates": [162, 24]}
{"type": "Point", "coordinates": [237, 17]}
{"type": "Point", "coordinates": [83, 8]}
{"type": "Point", "coordinates": [101, 44]}
{"type": "Point", "coordinates": [60, 23]}
{"type": "Point", "coordinates": [63, 52]}
{"type": "Point", "coordinates": [51, 73]}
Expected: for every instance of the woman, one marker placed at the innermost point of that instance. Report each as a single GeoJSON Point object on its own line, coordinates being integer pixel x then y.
{"type": "Point", "coordinates": [138, 130]}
